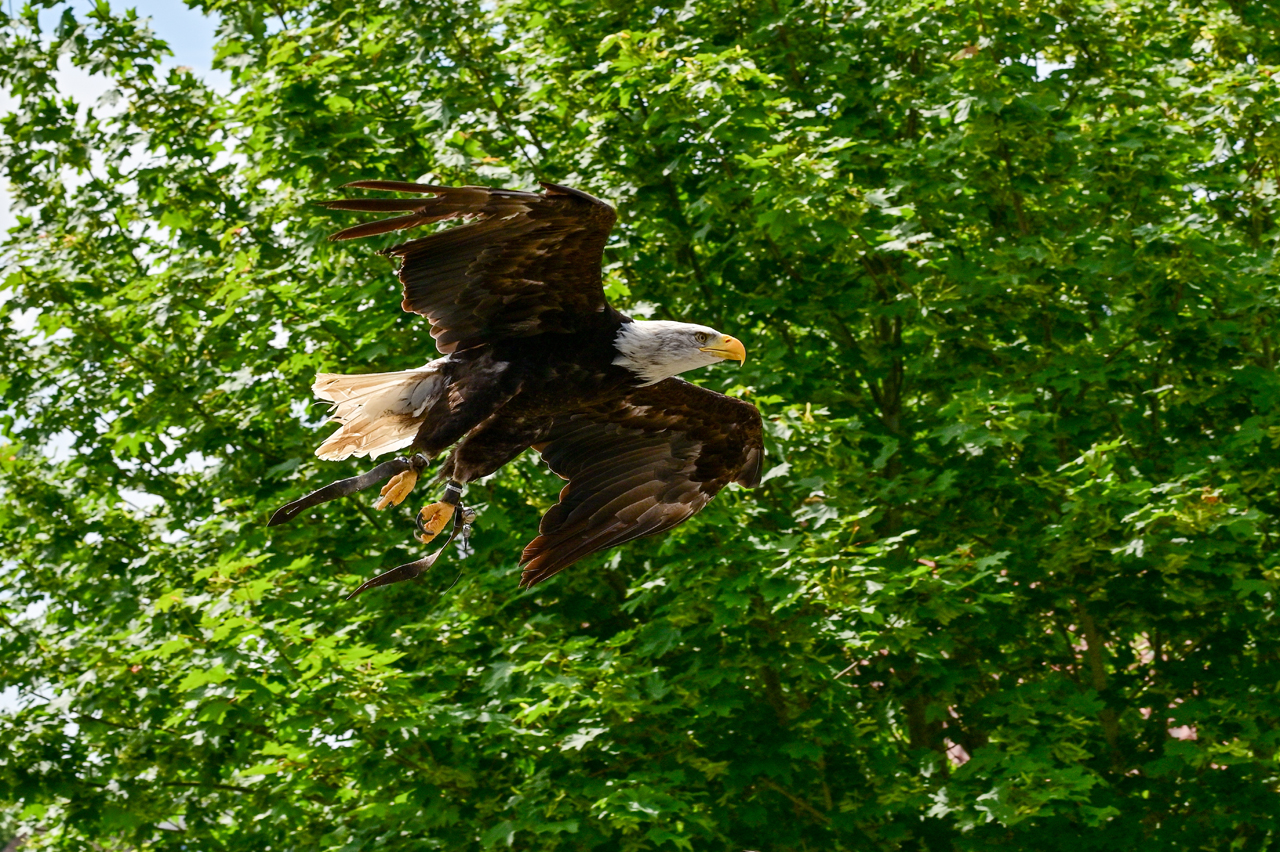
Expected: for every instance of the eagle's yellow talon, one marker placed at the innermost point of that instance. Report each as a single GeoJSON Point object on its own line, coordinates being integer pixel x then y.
{"type": "Point", "coordinates": [395, 491]}
{"type": "Point", "coordinates": [432, 519]}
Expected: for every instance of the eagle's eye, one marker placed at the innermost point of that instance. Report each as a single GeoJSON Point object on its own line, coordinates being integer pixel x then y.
{"type": "Point", "coordinates": [702, 337]}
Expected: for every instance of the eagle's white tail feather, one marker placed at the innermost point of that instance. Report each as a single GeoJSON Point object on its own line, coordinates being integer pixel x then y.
{"type": "Point", "coordinates": [379, 412]}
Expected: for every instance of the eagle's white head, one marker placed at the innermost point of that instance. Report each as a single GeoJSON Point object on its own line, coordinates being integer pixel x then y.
{"type": "Point", "coordinates": [656, 350]}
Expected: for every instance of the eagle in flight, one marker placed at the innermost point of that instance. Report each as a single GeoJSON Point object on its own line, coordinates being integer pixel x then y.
{"type": "Point", "coordinates": [534, 356]}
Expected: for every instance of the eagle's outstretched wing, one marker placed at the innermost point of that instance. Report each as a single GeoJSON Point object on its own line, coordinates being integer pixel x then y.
{"type": "Point", "coordinates": [639, 465]}
{"type": "Point", "coordinates": [526, 264]}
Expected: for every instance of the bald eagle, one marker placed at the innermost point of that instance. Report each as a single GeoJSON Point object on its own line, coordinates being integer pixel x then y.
{"type": "Point", "coordinates": [534, 356]}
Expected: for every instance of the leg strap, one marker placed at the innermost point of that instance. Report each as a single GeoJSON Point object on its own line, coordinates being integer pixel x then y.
{"type": "Point", "coordinates": [410, 570]}
{"type": "Point", "coordinates": [347, 487]}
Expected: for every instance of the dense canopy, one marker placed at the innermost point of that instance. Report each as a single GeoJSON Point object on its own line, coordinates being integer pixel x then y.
{"type": "Point", "coordinates": [1007, 273]}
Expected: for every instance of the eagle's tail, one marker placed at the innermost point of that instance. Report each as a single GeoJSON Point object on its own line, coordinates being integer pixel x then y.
{"type": "Point", "coordinates": [379, 412]}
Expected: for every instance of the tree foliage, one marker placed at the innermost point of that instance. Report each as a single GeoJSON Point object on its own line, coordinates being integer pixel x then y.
{"type": "Point", "coordinates": [1006, 271]}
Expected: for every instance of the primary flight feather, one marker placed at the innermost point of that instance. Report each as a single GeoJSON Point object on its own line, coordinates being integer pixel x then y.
{"type": "Point", "coordinates": [534, 356]}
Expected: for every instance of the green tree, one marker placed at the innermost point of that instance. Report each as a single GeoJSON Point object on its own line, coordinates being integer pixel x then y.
{"type": "Point", "coordinates": [1006, 271]}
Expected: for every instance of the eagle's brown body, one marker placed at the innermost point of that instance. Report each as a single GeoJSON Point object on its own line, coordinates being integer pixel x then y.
{"type": "Point", "coordinates": [535, 357]}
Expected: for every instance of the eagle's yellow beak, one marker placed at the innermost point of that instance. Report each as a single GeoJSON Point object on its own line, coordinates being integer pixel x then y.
{"type": "Point", "coordinates": [729, 348]}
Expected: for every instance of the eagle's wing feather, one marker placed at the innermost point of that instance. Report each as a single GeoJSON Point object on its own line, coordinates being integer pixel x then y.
{"type": "Point", "coordinates": [639, 465]}
{"type": "Point", "coordinates": [525, 264]}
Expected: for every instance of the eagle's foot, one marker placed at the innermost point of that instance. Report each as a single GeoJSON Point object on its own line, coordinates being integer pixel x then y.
{"type": "Point", "coordinates": [395, 491]}
{"type": "Point", "coordinates": [432, 519]}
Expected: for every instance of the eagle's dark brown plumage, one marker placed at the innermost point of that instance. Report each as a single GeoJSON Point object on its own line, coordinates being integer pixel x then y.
{"type": "Point", "coordinates": [529, 265]}
{"type": "Point", "coordinates": [536, 357]}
